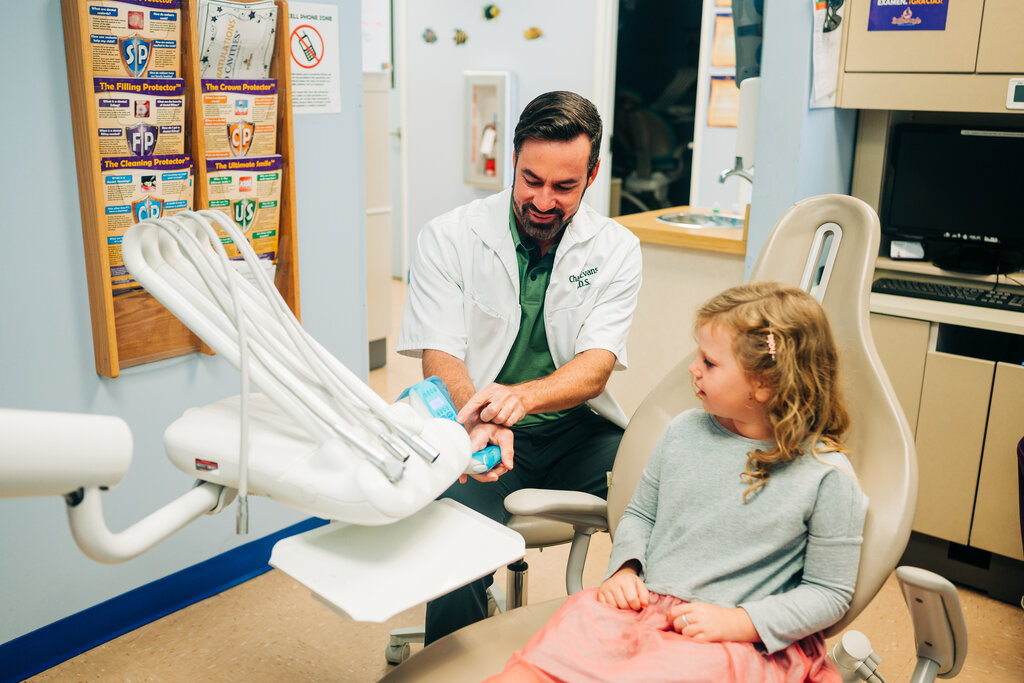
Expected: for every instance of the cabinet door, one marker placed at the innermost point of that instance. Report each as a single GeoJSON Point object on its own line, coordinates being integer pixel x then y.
{"type": "Point", "coordinates": [902, 345]}
{"type": "Point", "coordinates": [950, 433]}
{"type": "Point", "coordinates": [1001, 49]}
{"type": "Point", "coordinates": [996, 525]}
{"type": "Point", "coordinates": [904, 51]}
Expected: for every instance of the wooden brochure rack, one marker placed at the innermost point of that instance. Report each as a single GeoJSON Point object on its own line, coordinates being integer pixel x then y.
{"type": "Point", "coordinates": [136, 329]}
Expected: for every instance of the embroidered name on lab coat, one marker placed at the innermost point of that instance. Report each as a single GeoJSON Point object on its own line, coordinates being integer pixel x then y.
{"type": "Point", "coordinates": [583, 279]}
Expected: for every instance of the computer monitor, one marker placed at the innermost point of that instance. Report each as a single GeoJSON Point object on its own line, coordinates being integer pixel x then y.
{"type": "Point", "coordinates": [959, 192]}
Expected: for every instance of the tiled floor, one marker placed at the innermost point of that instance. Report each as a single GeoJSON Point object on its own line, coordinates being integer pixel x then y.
{"type": "Point", "coordinates": [271, 629]}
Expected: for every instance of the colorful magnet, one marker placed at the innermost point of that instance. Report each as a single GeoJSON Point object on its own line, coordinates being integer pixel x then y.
{"type": "Point", "coordinates": [491, 12]}
{"type": "Point", "coordinates": [532, 33]}
{"type": "Point", "coordinates": [429, 36]}
{"type": "Point", "coordinates": [460, 36]}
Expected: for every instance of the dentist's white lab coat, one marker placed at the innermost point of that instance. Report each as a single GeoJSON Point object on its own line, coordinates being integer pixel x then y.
{"type": "Point", "coordinates": [463, 294]}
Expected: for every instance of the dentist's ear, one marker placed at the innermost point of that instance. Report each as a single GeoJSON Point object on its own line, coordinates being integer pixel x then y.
{"type": "Point", "coordinates": [593, 174]}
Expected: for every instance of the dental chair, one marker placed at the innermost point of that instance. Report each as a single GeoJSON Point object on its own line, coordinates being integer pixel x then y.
{"type": "Point", "coordinates": [827, 245]}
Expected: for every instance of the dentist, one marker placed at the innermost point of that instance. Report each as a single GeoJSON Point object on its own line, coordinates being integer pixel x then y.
{"type": "Point", "coordinates": [521, 302]}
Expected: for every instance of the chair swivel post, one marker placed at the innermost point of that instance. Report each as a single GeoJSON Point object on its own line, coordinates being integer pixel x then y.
{"type": "Point", "coordinates": [515, 584]}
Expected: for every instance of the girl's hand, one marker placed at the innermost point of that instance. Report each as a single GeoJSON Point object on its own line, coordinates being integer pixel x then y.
{"type": "Point", "coordinates": [625, 589]}
{"type": "Point", "coordinates": [702, 621]}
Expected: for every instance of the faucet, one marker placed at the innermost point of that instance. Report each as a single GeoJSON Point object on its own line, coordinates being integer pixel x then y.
{"type": "Point", "coordinates": [737, 170]}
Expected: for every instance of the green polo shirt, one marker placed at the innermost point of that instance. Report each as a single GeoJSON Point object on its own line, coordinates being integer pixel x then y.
{"type": "Point", "coordinates": [530, 356]}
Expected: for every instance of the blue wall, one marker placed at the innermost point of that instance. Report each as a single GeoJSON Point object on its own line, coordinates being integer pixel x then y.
{"type": "Point", "coordinates": [46, 356]}
{"type": "Point", "coordinates": [801, 152]}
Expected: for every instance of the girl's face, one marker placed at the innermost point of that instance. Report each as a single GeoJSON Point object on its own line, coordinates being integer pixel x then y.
{"type": "Point", "coordinates": [723, 387]}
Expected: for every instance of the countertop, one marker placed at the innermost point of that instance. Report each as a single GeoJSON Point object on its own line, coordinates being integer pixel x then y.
{"type": "Point", "coordinates": [650, 230]}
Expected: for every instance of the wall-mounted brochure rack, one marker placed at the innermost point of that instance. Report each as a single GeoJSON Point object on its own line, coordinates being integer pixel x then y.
{"type": "Point", "coordinates": [129, 326]}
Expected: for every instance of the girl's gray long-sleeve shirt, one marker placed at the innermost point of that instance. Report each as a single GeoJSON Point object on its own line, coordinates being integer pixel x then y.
{"type": "Point", "coordinates": [788, 556]}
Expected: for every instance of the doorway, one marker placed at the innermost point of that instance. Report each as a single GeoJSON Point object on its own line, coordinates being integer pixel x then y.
{"type": "Point", "coordinates": [655, 102]}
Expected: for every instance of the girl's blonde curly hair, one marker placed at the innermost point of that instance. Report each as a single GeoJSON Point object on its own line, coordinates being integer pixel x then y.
{"type": "Point", "coordinates": [806, 411]}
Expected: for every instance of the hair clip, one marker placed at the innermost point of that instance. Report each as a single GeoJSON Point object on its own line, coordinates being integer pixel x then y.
{"type": "Point", "coordinates": [771, 344]}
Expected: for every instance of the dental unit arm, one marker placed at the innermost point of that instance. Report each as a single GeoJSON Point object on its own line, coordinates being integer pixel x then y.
{"type": "Point", "coordinates": [78, 456]}
{"type": "Point", "coordinates": [315, 437]}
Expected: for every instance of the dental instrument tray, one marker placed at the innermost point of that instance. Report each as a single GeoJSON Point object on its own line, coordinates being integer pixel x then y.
{"type": "Point", "coordinates": [954, 294]}
{"type": "Point", "coordinates": [373, 573]}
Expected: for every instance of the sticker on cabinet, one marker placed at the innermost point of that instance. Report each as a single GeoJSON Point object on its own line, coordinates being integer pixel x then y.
{"type": "Point", "coordinates": [907, 15]}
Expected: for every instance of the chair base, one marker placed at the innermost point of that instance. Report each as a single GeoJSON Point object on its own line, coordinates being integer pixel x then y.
{"type": "Point", "coordinates": [399, 645]}
{"type": "Point", "coordinates": [471, 654]}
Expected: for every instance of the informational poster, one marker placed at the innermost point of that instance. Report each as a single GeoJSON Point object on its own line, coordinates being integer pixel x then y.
{"type": "Point", "coordinates": [724, 103]}
{"type": "Point", "coordinates": [316, 85]}
{"type": "Point", "coordinates": [723, 49]}
{"type": "Point", "coordinates": [135, 38]}
{"type": "Point", "coordinates": [249, 192]}
{"type": "Point", "coordinates": [239, 118]}
{"type": "Point", "coordinates": [907, 15]}
{"type": "Point", "coordinates": [137, 189]}
{"type": "Point", "coordinates": [140, 116]}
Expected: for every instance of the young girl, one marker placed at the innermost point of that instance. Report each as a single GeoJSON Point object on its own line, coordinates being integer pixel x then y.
{"type": "Point", "coordinates": [742, 540]}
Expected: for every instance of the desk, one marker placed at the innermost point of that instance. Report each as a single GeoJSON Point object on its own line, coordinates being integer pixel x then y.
{"type": "Point", "coordinates": [957, 374]}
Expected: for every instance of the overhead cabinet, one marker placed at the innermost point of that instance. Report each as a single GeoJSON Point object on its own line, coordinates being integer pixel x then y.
{"type": "Point", "coordinates": [973, 61]}
{"type": "Point", "coordinates": [955, 48]}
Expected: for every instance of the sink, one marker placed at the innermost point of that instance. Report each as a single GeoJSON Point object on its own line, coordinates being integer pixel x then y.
{"type": "Point", "coordinates": [702, 220]}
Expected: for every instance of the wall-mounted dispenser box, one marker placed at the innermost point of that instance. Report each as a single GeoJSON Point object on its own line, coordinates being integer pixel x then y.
{"type": "Point", "coordinates": [487, 161]}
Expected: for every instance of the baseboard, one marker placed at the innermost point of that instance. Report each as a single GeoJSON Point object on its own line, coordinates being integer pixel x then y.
{"type": "Point", "coordinates": [1002, 578]}
{"type": "Point", "coordinates": [54, 643]}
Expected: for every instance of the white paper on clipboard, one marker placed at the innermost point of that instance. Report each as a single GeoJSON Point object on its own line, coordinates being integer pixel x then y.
{"type": "Point", "coordinates": [828, 34]}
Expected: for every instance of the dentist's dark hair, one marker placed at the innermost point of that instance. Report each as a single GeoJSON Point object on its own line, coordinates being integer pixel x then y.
{"type": "Point", "coordinates": [560, 116]}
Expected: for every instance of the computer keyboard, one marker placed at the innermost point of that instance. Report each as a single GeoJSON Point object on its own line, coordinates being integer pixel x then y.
{"type": "Point", "coordinates": [972, 296]}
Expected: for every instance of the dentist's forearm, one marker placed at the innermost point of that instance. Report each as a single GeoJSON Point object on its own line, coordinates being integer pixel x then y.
{"type": "Point", "coordinates": [452, 371]}
{"type": "Point", "coordinates": [579, 380]}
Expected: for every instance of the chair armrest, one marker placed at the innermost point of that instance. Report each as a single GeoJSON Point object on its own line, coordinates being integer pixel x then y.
{"type": "Point", "coordinates": [573, 507]}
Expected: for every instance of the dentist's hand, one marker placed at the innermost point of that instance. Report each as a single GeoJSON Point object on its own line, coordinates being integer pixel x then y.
{"type": "Point", "coordinates": [497, 403]}
{"type": "Point", "coordinates": [484, 433]}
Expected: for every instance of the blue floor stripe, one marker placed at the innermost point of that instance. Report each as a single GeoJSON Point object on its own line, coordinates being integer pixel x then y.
{"type": "Point", "coordinates": [50, 645]}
